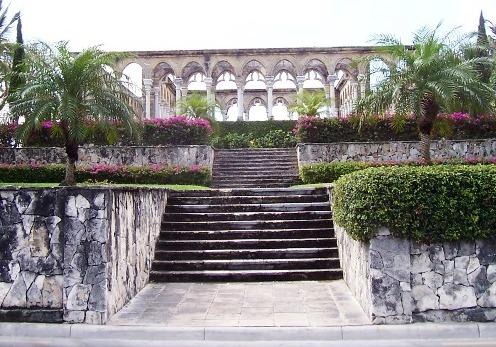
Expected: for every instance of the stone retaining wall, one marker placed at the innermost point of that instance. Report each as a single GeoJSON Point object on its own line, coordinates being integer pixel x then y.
{"type": "Point", "coordinates": [400, 281]}
{"type": "Point", "coordinates": [309, 153]}
{"type": "Point", "coordinates": [109, 155]}
{"type": "Point", "coordinates": [75, 255]}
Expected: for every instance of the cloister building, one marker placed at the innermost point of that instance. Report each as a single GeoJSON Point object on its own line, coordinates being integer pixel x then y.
{"type": "Point", "coordinates": [248, 84]}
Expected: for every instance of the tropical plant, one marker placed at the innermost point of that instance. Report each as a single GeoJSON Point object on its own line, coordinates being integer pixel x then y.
{"type": "Point", "coordinates": [16, 79]}
{"type": "Point", "coordinates": [70, 90]}
{"type": "Point", "coordinates": [428, 78]}
{"type": "Point", "coordinates": [197, 105]}
{"type": "Point", "coordinates": [309, 103]}
{"type": "Point", "coordinates": [6, 48]}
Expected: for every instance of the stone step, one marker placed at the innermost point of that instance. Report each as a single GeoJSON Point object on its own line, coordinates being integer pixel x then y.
{"type": "Point", "coordinates": [247, 234]}
{"type": "Point", "coordinates": [238, 216]}
{"type": "Point", "coordinates": [246, 275]}
{"type": "Point", "coordinates": [253, 184]}
{"type": "Point", "coordinates": [277, 207]}
{"type": "Point", "coordinates": [265, 192]}
{"type": "Point", "coordinates": [278, 253]}
{"type": "Point", "coordinates": [247, 199]}
{"type": "Point", "coordinates": [246, 244]}
{"type": "Point", "coordinates": [260, 181]}
{"type": "Point", "coordinates": [247, 224]}
{"type": "Point", "coordinates": [245, 264]}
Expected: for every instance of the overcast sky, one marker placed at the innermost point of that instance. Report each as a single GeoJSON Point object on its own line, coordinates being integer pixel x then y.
{"type": "Point", "coordinates": [130, 25]}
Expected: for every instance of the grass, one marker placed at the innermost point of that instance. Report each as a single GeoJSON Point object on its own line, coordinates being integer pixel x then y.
{"type": "Point", "coordinates": [52, 185]}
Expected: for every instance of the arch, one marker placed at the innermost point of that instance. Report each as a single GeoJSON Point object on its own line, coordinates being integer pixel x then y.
{"type": "Point", "coordinates": [191, 68]}
{"type": "Point", "coordinates": [280, 109]}
{"type": "Point", "coordinates": [257, 109]}
{"type": "Point", "coordinates": [284, 80]}
{"type": "Point", "coordinates": [220, 69]}
{"type": "Point", "coordinates": [316, 65]}
{"type": "Point", "coordinates": [226, 81]}
{"type": "Point", "coordinates": [253, 65]}
{"type": "Point", "coordinates": [162, 69]}
{"type": "Point", "coordinates": [314, 80]}
{"type": "Point", "coordinates": [255, 80]}
{"type": "Point", "coordinates": [132, 74]}
{"type": "Point", "coordinates": [197, 82]}
{"type": "Point", "coordinates": [284, 65]}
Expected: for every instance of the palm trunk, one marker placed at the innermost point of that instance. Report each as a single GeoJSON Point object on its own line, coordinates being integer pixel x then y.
{"type": "Point", "coordinates": [425, 147]}
{"type": "Point", "coordinates": [70, 170]}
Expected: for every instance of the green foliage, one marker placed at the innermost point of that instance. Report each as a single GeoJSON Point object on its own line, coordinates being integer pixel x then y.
{"type": "Point", "coordinates": [309, 103]}
{"type": "Point", "coordinates": [424, 203]}
{"type": "Point", "coordinates": [153, 174]}
{"type": "Point", "coordinates": [329, 172]}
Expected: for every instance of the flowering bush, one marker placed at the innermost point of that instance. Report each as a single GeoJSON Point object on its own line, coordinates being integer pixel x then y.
{"type": "Point", "coordinates": [180, 130]}
{"type": "Point", "coordinates": [390, 127]}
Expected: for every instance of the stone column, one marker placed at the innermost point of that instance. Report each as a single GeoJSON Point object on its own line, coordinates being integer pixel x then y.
{"type": "Point", "coordinates": [332, 93]}
{"type": "Point", "coordinates": [354, 91]}
{"type": "Point", "coordinates": [148, 88]}
{"type": "Point", "coordinates": [208, 85]}
{"type": "Point", "coordinates": [300, 80]}
{"type": "Point", "coordinates": [240, 85]}
{"type": "Point", "coordinates": [178, 82]}
{"type": "Point", "coordinates": [269, 82]}
{"type": "Point", "coordinates": [361, 82]}
{"type": "Point", "coordinates": [156, 102]}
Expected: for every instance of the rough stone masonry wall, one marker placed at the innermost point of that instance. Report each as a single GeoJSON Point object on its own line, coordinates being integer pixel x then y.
{"type": "Point", "coordinates": [75, 254]}
{"type": "Point", "coordinates": [400, 281]}
{"type": "Point", "coordinates": [109, 155]}
{"type": "Point", "coordinates": [309, 153]}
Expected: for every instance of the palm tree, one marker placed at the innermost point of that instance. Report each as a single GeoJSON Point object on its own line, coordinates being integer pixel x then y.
{"type": "Point", "coordinates": [426, 78]}
{"type": "Point", "coordinates": [70, 90]}
{"type": "Point", "coordinates": [197, 105]}
{"type": "Point", "coordinates": [6, 49]}
{"type": "Point", "coordinates": [309, 103]}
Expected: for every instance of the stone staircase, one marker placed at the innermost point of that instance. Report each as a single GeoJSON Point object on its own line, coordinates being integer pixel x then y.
{"type": "Point", "coordinates": [255, 168]}
{"type": "Point", "coordinates": [253, 234]}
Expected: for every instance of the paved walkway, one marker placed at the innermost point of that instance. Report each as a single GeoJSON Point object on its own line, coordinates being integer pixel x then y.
{"type": "Point", "coordinates": [253, 304]}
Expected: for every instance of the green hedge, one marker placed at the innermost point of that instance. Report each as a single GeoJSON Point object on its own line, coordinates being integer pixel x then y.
{"type": "Point", "coordinates": [424, 203]}
{"type": "Point", "coordinates": [153, 174]}
{"type": "Point", "coordinates": [329, 172]}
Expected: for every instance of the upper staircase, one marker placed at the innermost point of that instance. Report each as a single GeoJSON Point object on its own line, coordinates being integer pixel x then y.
{"type": "Point", "coordinates": [255, 168]}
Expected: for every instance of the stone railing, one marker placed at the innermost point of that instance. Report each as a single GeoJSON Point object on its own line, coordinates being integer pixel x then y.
{"type": "Point", "coordinates": [396, 280]}
{"type": "Point", "coordinates": [75, 255]}
{"type": "Point", "coordinates": [309, 153]}
{"type": "Point", "coordinates": [109, 155]}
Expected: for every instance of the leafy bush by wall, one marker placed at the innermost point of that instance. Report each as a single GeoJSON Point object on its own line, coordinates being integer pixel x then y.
{"type": "Point", "coordinates": [330, 172]}
{"type": "Point", "coordinates": [153, 174]}
{"type": "Point", "coordinates": [424, 203]}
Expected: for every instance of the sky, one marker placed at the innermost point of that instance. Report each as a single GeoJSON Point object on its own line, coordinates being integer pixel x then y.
{"type": "Point", "coordinates": [132, 25]}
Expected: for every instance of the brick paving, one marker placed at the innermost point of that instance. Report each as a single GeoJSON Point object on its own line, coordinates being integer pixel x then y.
{"type": "Point", "coordinates": [246, 304]}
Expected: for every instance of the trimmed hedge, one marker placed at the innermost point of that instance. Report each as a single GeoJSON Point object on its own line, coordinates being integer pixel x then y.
{"type": "Point", "coordinates": [330, 172]}
{"type": "Point", "coordinates": [153, 174]}
{"type": "Point", "coordinates": [424, 203]}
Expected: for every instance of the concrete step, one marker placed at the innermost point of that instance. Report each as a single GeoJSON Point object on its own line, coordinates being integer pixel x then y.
{"type": "Point", "coordinates": [278, 253]}
{"type": "Point", "coordinates": [245, 264]}
{"type": "Point", "coordinates": [247, 199]}
{"type": "Point", "coordinates": [244, 216]}
{"type": "Point", "coordinates": [246, 275]}
{"type": "Point", "coordinates": [247, 224]}
{"type": "Point", "coordinates": [265, 192]}
{"type": "Point", "coordinates": [229, 234]}
{"type": "Point", "coordinates": [276, 207]}
{"type": "Point", "coordinates": [246, 244]}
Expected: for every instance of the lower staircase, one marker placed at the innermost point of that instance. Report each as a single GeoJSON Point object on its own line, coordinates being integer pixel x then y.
{"type": "Point", "coordinates": [253, 234]}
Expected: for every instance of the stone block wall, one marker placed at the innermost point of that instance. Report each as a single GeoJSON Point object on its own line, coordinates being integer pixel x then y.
{"type": "Point", "coordinates": [109, 155]}
{"type": "Point", "coordinates": [399, 281]}
{"type": "Point", "coordinates": [309, 153]}
{"type": "Point", "coordinates": [75, 255]}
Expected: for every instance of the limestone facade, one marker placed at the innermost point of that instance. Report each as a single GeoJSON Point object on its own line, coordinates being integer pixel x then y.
{"type": "Point", "coordinates": [309, 153]}
{"type": "Point", "coordinates": [113, 155]}
{"type": "Point", "coordinates": [248, 77]}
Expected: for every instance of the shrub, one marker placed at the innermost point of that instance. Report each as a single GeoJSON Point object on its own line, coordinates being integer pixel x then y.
{"type": "Point", "coordinates": [330, 172]}
{"type": "Point", "coordinates": [424, 203]}
{"type": "Point", "coordinates": [153, 174]}
{"type": "Point", "coordinates": [179, 130]}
